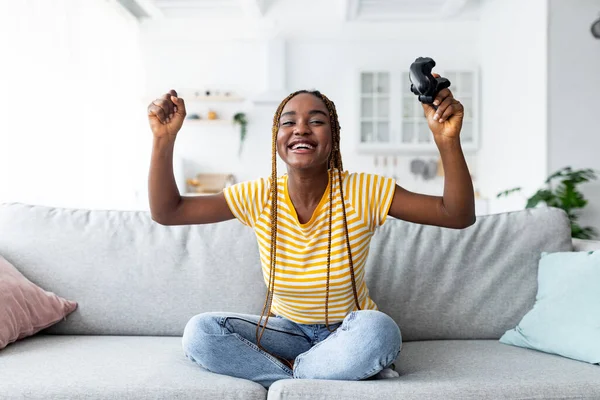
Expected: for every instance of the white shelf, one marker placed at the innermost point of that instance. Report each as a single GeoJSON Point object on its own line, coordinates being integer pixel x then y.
{"type": "Point", "coordinates": [209, 122]}
{"type": "Point", "coordinates": [220, 99]}
{"type": "Point", "coordinates": [190, 98]}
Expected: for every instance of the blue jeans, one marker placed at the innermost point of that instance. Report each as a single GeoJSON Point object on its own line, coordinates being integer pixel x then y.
{"type": "Point", "coordinates": [225, 343]}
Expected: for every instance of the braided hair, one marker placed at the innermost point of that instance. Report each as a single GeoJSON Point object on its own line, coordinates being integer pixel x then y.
{"type": "Point", "coordinates": [334, 163]}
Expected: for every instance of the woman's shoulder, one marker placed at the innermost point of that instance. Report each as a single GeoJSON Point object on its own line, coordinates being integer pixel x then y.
{"type": "Point", "coordinates": [358, 175]}
{"type": "Point", "coordinates": [365, 181]}
{"type": "Point", "coordinates": [361, 175]}
{"type": "Point", "coordinates": [252, 185]}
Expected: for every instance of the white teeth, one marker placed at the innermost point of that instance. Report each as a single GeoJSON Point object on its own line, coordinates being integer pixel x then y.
{"type": "Point", "coordinates": [302, 146]}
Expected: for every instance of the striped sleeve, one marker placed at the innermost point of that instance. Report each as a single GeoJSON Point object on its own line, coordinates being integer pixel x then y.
{"type": "Point", "coordinates": [371, 195]}
{"type": "Point", "coordinates": [247, 200]}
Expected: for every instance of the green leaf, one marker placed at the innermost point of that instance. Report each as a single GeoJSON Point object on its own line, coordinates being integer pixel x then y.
{"type": "Point", "coordinates": [561, 191]}
{"type": "Point", "coordinates": [572, 216]}
{"type": "Point", "coordinates": [507, 192]}
{"type": "Point", "coordinates": [574, 177]}
{"type": "Point", "coordinates": [543, 195]}
{"type": "Point", "coordinates": [569, 197]}
{"type": "Point", "coordinates": [583, 233]}
{"type": "Point", "coordinates": [558, 173]}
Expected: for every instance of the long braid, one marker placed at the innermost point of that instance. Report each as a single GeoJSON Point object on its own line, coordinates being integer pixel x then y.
{"type": "Point", "coordinates": [335, 161]}
{"type": "Point", "coordinates": [260, 327]}
{"type": "Point", "coordinates": [329, 172]}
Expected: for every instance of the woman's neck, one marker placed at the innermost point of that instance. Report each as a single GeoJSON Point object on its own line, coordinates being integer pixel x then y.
{"type": "Point", "coordinates": [306, 188]}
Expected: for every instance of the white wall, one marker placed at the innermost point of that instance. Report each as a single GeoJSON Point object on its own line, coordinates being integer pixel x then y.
{"type": "Point", "coordinates": [324, 55]}
{"type": "Point", "coordinates": [513, 151]}
{"type": "Point", "coordinates": [574, 87]}
{"type": "Point", "coordinates": [508, 40]}
{"type": "Point", "coordinates": [71, 109]}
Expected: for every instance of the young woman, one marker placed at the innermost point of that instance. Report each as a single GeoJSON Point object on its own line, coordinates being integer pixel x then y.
{"type": "Point", "coordinates": [313, 226]}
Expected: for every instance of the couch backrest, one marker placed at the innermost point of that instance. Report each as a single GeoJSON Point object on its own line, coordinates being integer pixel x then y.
{"type": "Point", "coordinates": [585, 245]}
{"type": "Point", "coordinates": [132, 276]}
{"type": "Point", "coordinates": [473, 283]}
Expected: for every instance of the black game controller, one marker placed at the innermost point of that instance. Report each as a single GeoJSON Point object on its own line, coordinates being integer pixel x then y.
{"type": "Point", "coordinates": [423, 84]}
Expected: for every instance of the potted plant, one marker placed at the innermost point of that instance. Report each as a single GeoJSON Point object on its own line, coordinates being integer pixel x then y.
{"type": "Point", "coordinates": [561, 192]}
{"type": "Point", "coordinates": [240, 118]}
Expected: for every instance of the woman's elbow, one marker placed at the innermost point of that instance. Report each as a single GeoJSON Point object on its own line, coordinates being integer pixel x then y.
{"type": "Point", "coordinates": [161, 219]}
{"type": "Point", "coordinates": [467, 222]}
{"type": "Point", "coordinates": [462, 222]}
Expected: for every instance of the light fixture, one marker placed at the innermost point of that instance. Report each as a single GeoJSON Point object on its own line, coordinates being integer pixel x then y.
{"type": "Point", "coordinates": [596, 29]}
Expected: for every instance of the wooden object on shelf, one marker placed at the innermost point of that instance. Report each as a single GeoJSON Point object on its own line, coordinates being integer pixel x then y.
{"type": "Point", "coordinates": [208, 121]}
{"type": "Point", "coordinates": [209, 183]}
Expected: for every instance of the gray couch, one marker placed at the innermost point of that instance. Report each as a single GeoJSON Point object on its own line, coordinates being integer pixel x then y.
{"type": "Point", "coordinates": [452, 292]}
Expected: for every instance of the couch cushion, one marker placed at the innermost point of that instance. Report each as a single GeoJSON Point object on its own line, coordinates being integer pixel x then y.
{"type": "Point", "coordinates": [469, 369]}
{"type": "Point", "coordinates": [565, 319]}
{"type": "Point", "coordinates": [111, 367]}
{"type": "Point", "coordinates": [128, 274]}
{"type": "Point", "coordinates": [475, 283]}
{"type": "Point", "coordinates": [26, 308]}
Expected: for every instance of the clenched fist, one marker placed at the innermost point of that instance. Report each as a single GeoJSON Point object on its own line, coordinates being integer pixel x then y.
{"type": "Point", "coordinates": [166, 115]}
{"type": "Point", "coordinates": [446, 120]}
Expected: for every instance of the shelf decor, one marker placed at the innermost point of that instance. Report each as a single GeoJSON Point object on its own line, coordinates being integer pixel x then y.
{"type": "Point", "coordinates": [240, 118]}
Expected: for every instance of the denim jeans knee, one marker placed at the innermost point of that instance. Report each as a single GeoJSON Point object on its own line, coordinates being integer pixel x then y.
{"type": "Point", "coordinates": [197, 332]}
{"type": "Point", "coordinates": [365, 343]}
{"type": "Point", "coordinates": [381, 331]}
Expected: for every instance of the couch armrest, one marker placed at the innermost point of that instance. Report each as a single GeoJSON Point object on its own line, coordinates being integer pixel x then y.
{"type": "Point", "coordinates": [585, 245]}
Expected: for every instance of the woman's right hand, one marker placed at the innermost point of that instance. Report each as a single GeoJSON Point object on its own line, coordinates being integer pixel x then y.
{"type": "Point", "coordinates": [166, 115]}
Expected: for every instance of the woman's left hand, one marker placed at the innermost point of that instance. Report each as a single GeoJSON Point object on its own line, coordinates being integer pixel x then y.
{"type": "Point", "coordinates": [446, 121]}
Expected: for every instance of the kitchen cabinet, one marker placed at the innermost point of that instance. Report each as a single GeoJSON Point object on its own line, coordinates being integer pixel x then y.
{"type": "Point", "coordinates": [392, 120]}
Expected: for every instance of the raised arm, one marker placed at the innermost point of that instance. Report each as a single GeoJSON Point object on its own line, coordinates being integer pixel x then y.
{"type": "Point", "coordinates": [166, 115]}
{"type": "Point", "coordinates": [456, 208]}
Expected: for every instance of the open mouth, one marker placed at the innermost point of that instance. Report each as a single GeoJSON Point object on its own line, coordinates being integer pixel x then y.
{"type": "Point", "coordinates": [302, 146]}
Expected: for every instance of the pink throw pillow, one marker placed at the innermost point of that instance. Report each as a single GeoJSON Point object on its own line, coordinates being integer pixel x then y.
{"type": "Point", "coordinates": [25, 308]}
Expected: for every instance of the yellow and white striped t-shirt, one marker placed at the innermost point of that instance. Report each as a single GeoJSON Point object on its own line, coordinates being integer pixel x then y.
{"type": "Point", "coordinates": [301, 265]}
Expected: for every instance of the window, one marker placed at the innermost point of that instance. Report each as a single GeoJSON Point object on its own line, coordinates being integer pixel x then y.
{"type": "Point", "coordinates": [393, 120]}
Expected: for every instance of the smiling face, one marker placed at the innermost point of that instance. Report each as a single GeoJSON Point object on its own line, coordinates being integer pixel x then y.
{"type": "Point", "coordinates": [304, 137]}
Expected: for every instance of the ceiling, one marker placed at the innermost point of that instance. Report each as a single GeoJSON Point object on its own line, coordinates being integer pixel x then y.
{"type": "Point", "coordinates": [402, 9]}
{"type": "Point", "coordinates": [350, 10]}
